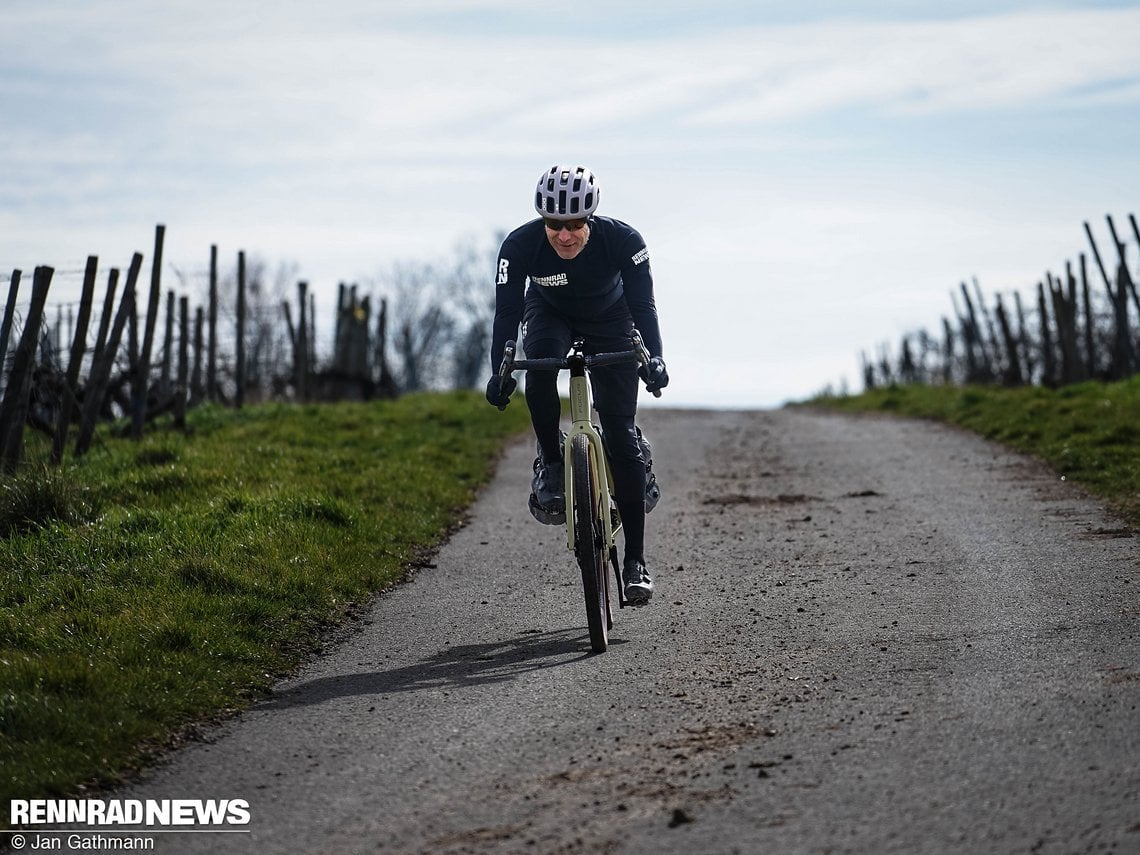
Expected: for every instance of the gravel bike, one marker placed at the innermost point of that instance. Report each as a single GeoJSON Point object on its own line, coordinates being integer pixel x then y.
{"type": "Point", "coordinates": [592, 518]}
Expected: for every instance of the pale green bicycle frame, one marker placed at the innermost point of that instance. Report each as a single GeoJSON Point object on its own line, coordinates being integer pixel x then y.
{"type": "Point", "coordinates": [580, 422]}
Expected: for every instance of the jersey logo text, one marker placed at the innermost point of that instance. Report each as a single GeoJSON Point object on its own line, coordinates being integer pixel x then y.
{"type": "Point", "coordinates": [504, 263]}
{"type": "Point", "coordinates": [555, 281]}
{"type": "Point", "coordinates": [641, 256]}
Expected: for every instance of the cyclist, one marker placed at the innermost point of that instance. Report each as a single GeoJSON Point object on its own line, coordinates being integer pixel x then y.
{"type": "Point", "coordinates": [589, 278]}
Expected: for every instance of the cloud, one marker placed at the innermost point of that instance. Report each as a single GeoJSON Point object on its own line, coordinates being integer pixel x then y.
{"type": "Point", "coordinates": [306, 85]}
{"type": "Point", "coordinates": [1027, 59]}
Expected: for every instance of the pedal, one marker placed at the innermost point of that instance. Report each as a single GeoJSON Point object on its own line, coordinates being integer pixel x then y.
{"type": "Point", "coordinates": [652, 493]}
{"type": "Point", "coordinates": [641, 598]}
{"type": "Point", "coordinates": [544, 516]}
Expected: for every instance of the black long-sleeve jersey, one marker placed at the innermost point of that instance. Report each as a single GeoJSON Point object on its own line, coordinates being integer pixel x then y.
{"type": "Point", "coordinates": [613, 265]}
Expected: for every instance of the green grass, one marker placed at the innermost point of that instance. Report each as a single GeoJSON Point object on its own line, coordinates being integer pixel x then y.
{"type": "Point", "coordinates": [156, 584]}
{"type": "Point", "coordinates": [1089, 432]}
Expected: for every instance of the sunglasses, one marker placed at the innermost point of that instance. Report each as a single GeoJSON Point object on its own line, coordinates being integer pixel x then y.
{"type": "Point", "coordinates": [559, 225]}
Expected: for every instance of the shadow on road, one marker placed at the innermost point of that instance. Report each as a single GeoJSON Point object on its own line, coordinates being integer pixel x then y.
{"type": "Point", "coordinates": [455, 666]}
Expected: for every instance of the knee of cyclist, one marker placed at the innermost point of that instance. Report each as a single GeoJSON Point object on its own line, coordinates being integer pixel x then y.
{"type": "Point", "coordinates": [623, 444]}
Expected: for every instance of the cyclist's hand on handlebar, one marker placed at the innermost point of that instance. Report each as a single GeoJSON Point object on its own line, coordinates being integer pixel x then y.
{"type": "Point", "coordinates": [499, 391]}
{"type": "Point", "coordinates": [654, 374]}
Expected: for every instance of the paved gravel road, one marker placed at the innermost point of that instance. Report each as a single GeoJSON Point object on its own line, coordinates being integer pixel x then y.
{"type": "Point", "coordinates": [869, 635]}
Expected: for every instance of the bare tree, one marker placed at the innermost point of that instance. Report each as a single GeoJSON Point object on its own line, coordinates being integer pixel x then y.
{"type": "Point", "coordinates": [441, 316]}
{"type": "Point", "coordinates": [422, 325]}
{"type": "Point", "coordinates": [471, 283]}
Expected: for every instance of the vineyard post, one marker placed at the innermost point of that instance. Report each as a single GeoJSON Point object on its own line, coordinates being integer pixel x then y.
{"type": "Point", "coordinates": [1049, 368]}
{"type": "Point", "coordinates": [301, 357]}
{"type": "Point", "coordinates": [1080, 366]}
{"type": "Point", "coordinates": [884, 360]}
{"type": "Point", "coordinates": [386, 380]}
{"type": "Point", "coordinates": [947, 351]}
{"type": "Point", "coordinates": [1124, 356]}
{"type": "Point", "coordinates": [1012, 375]}
{"type": "Point", "coordinates": [239, 395]}
{"type": "Point", "coordinates": [291, 331]}
{"type": "Point", "coordinates": [142, 375]}
{"type": "Point", "coordinates": [964, 332]}
{"type": "Point", "coordinates": [908, 370]}
{"type": "Point", "coordinates": [973, 336]}
{"type": "Point", "coordinates": [1135, 228]}
{"type": "Point", "coordinates": [133, 332]}
{"type": "Point", "coordinates": [196, 373]}
{"type": "Point", "coordinates": [105, 359]}
{"type": "Point", "coordinates": [360, 353]}
{"type": "Point", "coordinates": [14, 408]}
{"type": "Point", "coordinates": [868, 372]}
{"type": "Point", "coordinates": [1023, 338]}
{"type": "Point", "coordinates": [312, 333]}
{"type": "Point", "coordinates": [994, 348]}
{"type": "Point", "coordinates": [1090, 343]}
{"type": "Point", "coordinates": [75, 360]}
{"type": "Point", "coordinates": [9, 311]}
{"type": "Point", "coordinates": [1120, 254]}
{"type": "Point", "coordinates": [100, 342]}
{"type": "Point", "coordinates": [181, 390]}
{"type": "Point", "coordinates": [1099, 263]}
{"type": "Point", "coordinates": [212, 342]}
{"type": "Point", "coordinates": [1065, 319]}
{"type": "Point", "coordinates": [106, 316]}
{"type": "Point", "coordinates": [341, 328]}
{"type": "Point", "coordinates": [1136, 233]}
{"type": "Point", "coordinates": [167, 348]}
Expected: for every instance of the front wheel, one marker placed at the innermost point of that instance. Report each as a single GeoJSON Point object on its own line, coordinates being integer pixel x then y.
{"type": "Point", "coordinates": [589, 539]}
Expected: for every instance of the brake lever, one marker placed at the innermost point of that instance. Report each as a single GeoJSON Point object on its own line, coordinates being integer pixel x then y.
{"type": "Point", "coordinates": [505, 367]}
{"type": "Point", "coordinates": [642, 355]}
{"type": "Point", "coordinates": [508, 360]}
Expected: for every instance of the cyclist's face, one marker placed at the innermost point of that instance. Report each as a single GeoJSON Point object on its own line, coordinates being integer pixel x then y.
{"type": "Point", "coordinates": [566, 242]}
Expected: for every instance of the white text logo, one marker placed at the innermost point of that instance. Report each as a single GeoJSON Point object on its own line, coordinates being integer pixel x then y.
{"type": "Point", "coordinates": [555, 281]}
{"type": "Point", "coordinates": [129, 811]}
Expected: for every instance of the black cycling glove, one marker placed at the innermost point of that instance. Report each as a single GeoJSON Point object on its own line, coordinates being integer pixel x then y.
{"type": "Point", "coordinates": [499, 391]}
{"type": "Point", "coordinates": [654, 374]}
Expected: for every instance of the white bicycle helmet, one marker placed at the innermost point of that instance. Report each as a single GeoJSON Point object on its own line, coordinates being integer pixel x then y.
{"type": "Point", "coordinates": [566, 193]}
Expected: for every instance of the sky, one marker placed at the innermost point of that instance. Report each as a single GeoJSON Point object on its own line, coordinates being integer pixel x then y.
{"type": "Point", "coordinates": [813, 179]}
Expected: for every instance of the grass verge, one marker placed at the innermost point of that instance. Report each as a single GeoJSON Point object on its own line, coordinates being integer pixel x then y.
{"type": "Point", "coordinates": [159, 583]}
{"type": "Point", "coordinates": [1089, 433]}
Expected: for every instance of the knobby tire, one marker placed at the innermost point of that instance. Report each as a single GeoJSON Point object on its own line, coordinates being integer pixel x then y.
{"type": "Point", "coordinates": [588, 541]}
